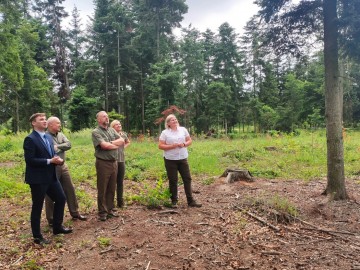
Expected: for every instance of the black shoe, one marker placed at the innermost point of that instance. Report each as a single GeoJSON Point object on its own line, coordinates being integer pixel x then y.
{"type": "Point", "coordinates": [121, 205]}
{"type": "Point", "coordinates": [62, 230]}
{"type": "Point", "coordinates": [41, 241]}
{"type": "Point", "coordinates": [174, 205]}
{"type": "Point", "coordinates": [80, 217]}
{"type": "Point", "coordinates": [194, 204]}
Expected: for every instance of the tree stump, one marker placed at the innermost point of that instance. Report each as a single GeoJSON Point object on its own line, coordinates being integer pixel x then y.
{"type": "Point", "coordinates": [233, 175]}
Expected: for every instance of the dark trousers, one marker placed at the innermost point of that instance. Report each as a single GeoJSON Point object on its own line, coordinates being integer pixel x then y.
{"type": "Point", "coordinates": [38, 192]}
{"type": "Point", "coordinates": [120, 183]}
{"type": "Point", "coordinates": [106, 172]}
{"type": "Point", "coordinates": [172, 168]}
{"type": "Point", "coordinates": [64, 177]}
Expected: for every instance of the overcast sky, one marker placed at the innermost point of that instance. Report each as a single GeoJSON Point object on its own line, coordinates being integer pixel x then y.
{"type": "Point", "coordinates": [202, 14]}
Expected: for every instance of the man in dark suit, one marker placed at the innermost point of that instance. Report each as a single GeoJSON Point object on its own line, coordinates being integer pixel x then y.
{"type": "Point", "coordinates": [41, 176]}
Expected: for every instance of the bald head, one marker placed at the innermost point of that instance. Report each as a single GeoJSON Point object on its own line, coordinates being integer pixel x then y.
{"type": "Point", "coordinates": [53, 124]}
{"type": "Point", "coordinates": [102, 118]}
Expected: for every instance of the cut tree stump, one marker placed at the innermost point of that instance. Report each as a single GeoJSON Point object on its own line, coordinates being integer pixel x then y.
{"type": "Point", "coordinates": [233, 175]}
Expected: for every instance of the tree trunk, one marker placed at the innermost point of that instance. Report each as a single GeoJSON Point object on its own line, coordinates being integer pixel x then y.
{"type": "Point", "coordinates": [17, 129]}
{"type": "Point", "coordinates": [118, 72]}
{"type": "Point", "coordinates": [106, 108]}
{"type": "Point", "coordinates": [142, 99]}
{"type": "Point", "coordinates": [333, 106]}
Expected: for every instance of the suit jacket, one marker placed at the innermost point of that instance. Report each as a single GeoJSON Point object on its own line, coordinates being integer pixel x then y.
{"type": "Point", "coordinates": [36, 154]}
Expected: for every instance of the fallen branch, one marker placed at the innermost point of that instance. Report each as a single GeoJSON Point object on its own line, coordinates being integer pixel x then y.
{"type": "Point", "coordinates": [305, 222]}
{"type": "Point", "coordinates": [116, 227]}
{"type": "Point", "coordinates": [166, 212]}
{"type": "Point", "coordinates": [167, 255]}
{"type": "Point", "coordinates": [194, 247]}
{"type": "Point", "coordinates": [51, 260]}
{"type": "Point", "coordinates": [225, 253]}
{"type": "Point", "coordinates": [262, 221]}
{"type": "Point", "coordinates": [18, 260]}
{"type": "Point", "coordinates": [163, 222]}
{"type": "Point", "coordinates": [192, 253]}
{"type": "Point", "coordinates": [328, 231]}
{"type": "Point", "coordinates": [106, 250]}
{"type": "Point", "coordinates": [202, 223]}
{"type": "Point", "coordinates": [315, 241]}
{"type": "Point", "coordinates": [321, 230]}
{"type": "Point", "coordinates": [148, 265]}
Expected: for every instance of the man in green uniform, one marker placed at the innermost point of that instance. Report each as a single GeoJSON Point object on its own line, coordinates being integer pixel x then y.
{"type": "Point", "coordinates": [106, 142]}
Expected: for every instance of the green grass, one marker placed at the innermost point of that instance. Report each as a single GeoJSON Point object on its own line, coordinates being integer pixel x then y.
{"type": "Point", "coordinates": [282, 157]}
{"type": "Point", "coordinates": [153, 197]}
{"type": "Point", "coordinates": [104, 241]}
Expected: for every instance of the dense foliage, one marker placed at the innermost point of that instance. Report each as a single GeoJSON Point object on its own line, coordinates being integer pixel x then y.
{"type": "Point", "coordinates": [128, 60]}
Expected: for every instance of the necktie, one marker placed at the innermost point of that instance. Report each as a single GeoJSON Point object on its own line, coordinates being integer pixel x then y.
{"type": "Point", "coordinates": [47, 145]}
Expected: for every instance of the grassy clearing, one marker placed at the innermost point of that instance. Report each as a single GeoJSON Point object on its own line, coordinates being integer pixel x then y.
{"type": "Point", "coordinates": [281, 157]}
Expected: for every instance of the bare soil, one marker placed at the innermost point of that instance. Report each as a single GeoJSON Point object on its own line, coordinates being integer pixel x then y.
{"type": "Point", "coordinates": [238, 227]}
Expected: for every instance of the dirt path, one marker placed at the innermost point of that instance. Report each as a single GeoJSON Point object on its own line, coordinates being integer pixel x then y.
{"type": "Point", "coordinates": [238, 227]}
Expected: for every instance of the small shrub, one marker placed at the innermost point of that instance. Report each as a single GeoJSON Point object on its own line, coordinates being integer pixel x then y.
{"type": "Point", "coordinates": [133, 174]}
{"type": "Point", "coordinates": [59, 240]}
{"type": "Point", "coordinates": [10, 189]}
{"type": "Point", "coordinates": [5, 131]}
{"type": "Point", "coordinates": [104, 241]}
{"type": "Point", "coordinates": [282, 204]}
{"type": "Point", "coordinates": [85, 199]}
{"type": "Point", "coordinates": [154, 197]}
{"type": "Point", "coordinates": [5, 145]}
{"type": "Point", "coordinates": [273, 133]}
{"type": "Point", "coordinates": [85, 244]}
{"type": "Point", "coordinates": [31, 265]}
{"type": "Point", "coordinates": [208, 180]}
{"type": "Point", "coordinates": [265, 173]}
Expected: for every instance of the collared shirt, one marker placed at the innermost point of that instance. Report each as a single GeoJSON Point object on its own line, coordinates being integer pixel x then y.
{"type": "Point", "coordinates": [100, 135]}
{"type": "Point", "coordinates": [121, 149]}
{"type": "Point", "coordinates": [62, 143]}
{"type": "Point", "coordinates": [178, 136]}
{"type": "Point", "coordinates": [42, 134]}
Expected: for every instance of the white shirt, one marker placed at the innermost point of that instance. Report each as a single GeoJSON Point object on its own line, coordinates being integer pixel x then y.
{"type": "Point", "coordinates": [42, 134]}
{"type": "Point", "coordinates": [170, 137]}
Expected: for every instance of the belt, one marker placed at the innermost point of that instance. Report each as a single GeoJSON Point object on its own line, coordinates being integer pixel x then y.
{"type": "Point", "coordinates": [108, 160]}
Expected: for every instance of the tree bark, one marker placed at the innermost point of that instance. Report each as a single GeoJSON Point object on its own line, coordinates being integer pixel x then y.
{"type": "Point", "coordinates": [333, 106]}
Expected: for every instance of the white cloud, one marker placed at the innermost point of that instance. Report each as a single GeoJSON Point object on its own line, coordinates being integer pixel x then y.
{"type": "Point", "coordinates": [84, 7]}
{"type": "Point", "coordinates": [202, 14]}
